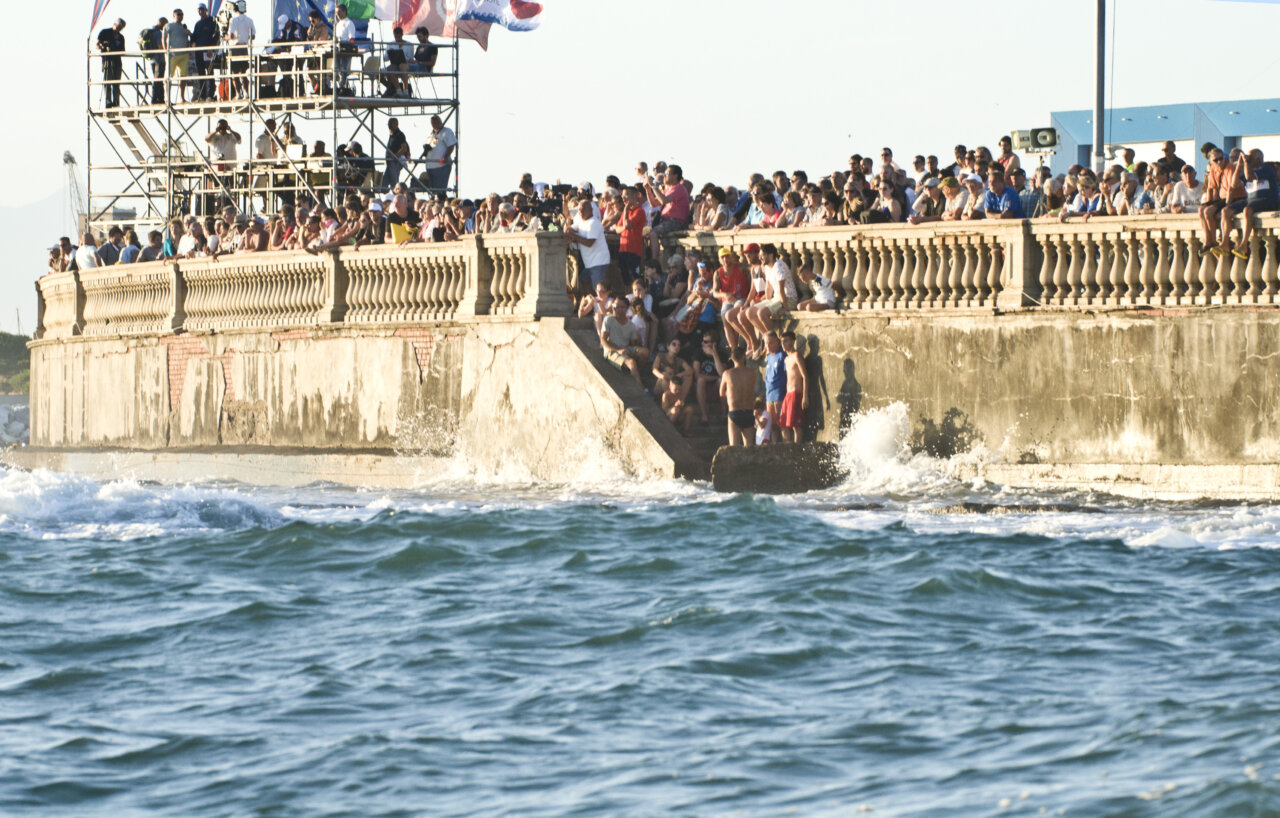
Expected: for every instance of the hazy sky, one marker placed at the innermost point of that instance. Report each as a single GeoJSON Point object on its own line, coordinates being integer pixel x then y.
{"type": "Point", "coordinates": [724, 87]}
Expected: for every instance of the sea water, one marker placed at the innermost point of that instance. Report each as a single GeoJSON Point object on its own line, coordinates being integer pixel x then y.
{"type": "Point", "coordinates": [904, 644]}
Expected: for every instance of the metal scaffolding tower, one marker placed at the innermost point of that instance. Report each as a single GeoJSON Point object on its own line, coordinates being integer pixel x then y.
{"type": "Point", "coordinates": [148, 159]}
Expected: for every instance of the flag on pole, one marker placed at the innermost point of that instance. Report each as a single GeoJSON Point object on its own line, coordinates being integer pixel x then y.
{"type": "Point", "coordinates": [514, 15]}
{"type": "Point", "coordinates": [99, 6]}
{"type": "Point", "coordinates": [213, 8]}
{"type": "Point", "coordinates": [361, 9]}
{"type": "Point", "coordinates": [439, 18]}
{"type": "Point", "coordinates": [394, 9]}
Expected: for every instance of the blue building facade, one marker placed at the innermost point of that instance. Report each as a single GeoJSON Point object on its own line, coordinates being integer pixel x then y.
{"type": "Point", "coordinates": [1222, 123]}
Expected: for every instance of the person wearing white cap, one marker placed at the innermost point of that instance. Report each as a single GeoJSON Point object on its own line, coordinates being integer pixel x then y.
{"type": "Point", "coordinates": [977, 198]}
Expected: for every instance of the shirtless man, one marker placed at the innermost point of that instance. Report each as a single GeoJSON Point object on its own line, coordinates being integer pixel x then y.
{"type": "Point", "coordinates": [738, 391]}
{"type": "Point", "coordinates": [254, 239]}
{"type": "Point", "coordinates": [791, 418]}
{"type": "Point", "coordinates": [668, 367]}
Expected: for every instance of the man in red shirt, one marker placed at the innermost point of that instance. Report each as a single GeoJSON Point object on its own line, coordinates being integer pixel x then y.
{"type": "Point", "coordinates": [731, 288]}
{"type": "Point", "coordinates": [674, 201]}
{"type": "Point", "coordinates": [631, 239]}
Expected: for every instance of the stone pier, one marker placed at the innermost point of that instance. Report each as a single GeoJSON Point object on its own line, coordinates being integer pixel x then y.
{"type": "Point", "coordinates": [1108, 355]}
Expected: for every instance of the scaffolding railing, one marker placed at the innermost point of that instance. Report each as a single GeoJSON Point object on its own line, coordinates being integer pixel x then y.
{"type": "Point", "coordinates": [151, 114]}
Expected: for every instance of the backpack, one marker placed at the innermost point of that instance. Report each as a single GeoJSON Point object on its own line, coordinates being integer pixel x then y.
{"type": "Point", "coordinates": [148, 40]}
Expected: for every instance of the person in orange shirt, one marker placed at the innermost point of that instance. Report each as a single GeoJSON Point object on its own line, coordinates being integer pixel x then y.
{"type": "Point", "coordinates": [1211, 202]}
{"type": "Point", "coordinates": [1233, 194]}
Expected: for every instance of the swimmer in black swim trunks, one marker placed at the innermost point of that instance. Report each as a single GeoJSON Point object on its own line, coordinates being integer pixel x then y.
{"type": "Point", "coordinates": [738, 391]}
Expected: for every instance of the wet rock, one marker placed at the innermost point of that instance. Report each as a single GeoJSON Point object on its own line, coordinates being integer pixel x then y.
{"type": "Point", "coordinates": [788, 468]}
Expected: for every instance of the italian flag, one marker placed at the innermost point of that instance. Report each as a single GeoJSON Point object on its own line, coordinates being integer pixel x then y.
{"type": "Point", "coordinates": [381, 9]}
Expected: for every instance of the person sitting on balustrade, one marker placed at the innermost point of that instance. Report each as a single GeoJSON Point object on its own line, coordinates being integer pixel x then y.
{"type": "Point", "coordinates": [1261, 195]}
{"type": "Point", "coordinates": [1234, 199]}
{"type": "Point", "coordinates": [1212, 201]}
{"type": "Point", "coordinates": [824, 293]}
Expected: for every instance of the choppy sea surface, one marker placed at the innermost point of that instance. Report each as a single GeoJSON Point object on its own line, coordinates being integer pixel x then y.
{"type": "Point", "coordinates": [905, 644]}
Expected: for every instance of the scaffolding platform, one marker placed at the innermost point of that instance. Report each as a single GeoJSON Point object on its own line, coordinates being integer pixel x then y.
{"type": "Point", "coordinates": [150, 158]}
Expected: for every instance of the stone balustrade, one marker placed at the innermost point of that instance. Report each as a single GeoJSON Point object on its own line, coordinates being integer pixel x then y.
{"type": "Point", "coordinates": [131, 299]}
{"type": "Point", "coordinates": [418, 282]}
{"type": "Point", "coordinates": [60, 305]}
{"type": "Point", "coordinates": [1150, 261]}
{"type": "Point", "coordinates": [496, 274]}
{"type": "Point", "coordinates": [899, 266]}
{"type": "Point", "coordinates": [1142, 261]}
{"type": "Point", "coordinates": [261, 290]}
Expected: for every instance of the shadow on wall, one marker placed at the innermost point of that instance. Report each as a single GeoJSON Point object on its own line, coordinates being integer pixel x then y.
{"type": "Point", "coordinates": [819, 400]}
{"type": "Point", "coordinates": [849, 397]}
{"type": "Point", "coordinates": [954, 434]}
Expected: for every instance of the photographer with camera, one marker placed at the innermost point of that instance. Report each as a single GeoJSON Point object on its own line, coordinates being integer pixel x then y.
{"type": "Point", "coordinates": [222, 141]}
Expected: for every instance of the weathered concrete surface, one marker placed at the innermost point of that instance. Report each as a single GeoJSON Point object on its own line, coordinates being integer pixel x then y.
{"type": "Point", "coordinates": [787, 468]}
{"type": "Point", "coordinates": [541, 396]}
{"type": "Point", "coordinates": [1196, 387]}
{"type": "Point", "coordinates": [507, 393]}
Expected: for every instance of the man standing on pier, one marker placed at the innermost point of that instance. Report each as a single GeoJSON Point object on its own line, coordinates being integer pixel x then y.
{"type": "Point", "coordinates": [791, 416]}
{"type": "Point", "coordinates": [111, 44]}
{"type": "Point", "coordinates": [738, 391]}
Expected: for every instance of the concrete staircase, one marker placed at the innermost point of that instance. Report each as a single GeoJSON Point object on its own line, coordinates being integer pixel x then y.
{"type": "Point", "coordinates": [692, 454]}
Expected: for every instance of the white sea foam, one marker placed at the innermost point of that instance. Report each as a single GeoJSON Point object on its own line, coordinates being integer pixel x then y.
{"type": "Point", "coordinates": [15, 418]}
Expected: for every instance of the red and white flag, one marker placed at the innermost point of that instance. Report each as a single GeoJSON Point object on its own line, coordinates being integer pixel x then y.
{"type": "Point", "coordinates": [440, 18]}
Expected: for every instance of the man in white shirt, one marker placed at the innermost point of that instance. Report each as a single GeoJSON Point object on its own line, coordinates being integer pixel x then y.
{"type": "Point", "coordinates": [439, 155]}
{"type": "Point", "coordinates": [223, 143]}
{"type": "Point", "coordinates": [344, 31]}
{"type": "Point", "coordinates": [780, 291]}
{"type": "Point", "coordinates": [588, 233]}
{"type": "Point", "coordinates": [87, 253]}
{"type": "Point", "coordinates": [1186, 193]}
{"type": "Point", "coordinates": [264, 147]}
{"type": "Point", "coordinates": [240, 34]}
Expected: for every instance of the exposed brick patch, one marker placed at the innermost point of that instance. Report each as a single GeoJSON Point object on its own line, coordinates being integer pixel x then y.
{"type": "Point", "coordinates": [424, 344]}
{"type": "Point", "coordinates": [183, 348]}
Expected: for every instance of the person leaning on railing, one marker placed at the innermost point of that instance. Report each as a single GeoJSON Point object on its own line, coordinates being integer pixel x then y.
{"type": "Point", "coordinates": [151, 42]}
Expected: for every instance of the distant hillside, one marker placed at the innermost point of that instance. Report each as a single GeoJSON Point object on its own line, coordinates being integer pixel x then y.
{"type": "Point", "coordinates": [15, 363]}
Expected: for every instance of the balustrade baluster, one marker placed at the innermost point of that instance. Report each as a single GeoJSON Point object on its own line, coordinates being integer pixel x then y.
{"type": "Point", "coordinates": [1239, 283]}
{"type": "Point", "coordinates": [982, 272]}
{"type": "Point", "coordinates": [1269, 273]}
{"type": "Point", "coordinates": [1089, 288]}
{"type": "Point", "coordinates": [1253, 270]}
{"type": "Point", "coordinates": [1149, 263]}
{"type": "Point", "coordinates": [1164, 262]}
{"type": "Point", "coordinates": [1132, 269]}
{"type": "Point", "coordinates": [1075, 274]}
{"type": "Point", "coordinates": [861, 274]}
{"type": "Point", "coordinates": [995, 267]}
{"type": "Point", "coordinates": [920, 273]}
{"type": "Point", "coordinates": [1222, 277]}
{"type": "Point", "coordinates": [895, 266]}
{"type": "Point", "coordinates": [1062, 262]}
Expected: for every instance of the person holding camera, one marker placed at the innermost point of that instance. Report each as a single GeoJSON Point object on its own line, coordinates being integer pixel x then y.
{"type": "Point", "coordinates": [222, 142]}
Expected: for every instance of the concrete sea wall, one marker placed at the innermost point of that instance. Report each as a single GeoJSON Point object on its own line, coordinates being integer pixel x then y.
{"type": "Point", "coordinates": [1109, 355]}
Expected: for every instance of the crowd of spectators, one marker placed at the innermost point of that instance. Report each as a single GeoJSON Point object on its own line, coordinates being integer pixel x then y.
{"type": "Point", "coordinates": [211, 59]}
{"type": "Point", "coordinates": [680, 323]}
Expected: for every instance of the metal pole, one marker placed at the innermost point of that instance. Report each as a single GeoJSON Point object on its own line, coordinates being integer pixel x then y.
{"type": "Point", "coordinates": [1099, 102]}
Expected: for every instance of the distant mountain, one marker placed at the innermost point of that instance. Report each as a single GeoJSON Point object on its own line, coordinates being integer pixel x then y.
{"type": "Point", "coordinates": [27, 232]}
